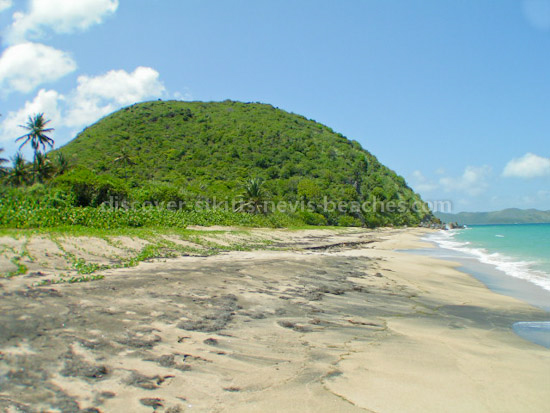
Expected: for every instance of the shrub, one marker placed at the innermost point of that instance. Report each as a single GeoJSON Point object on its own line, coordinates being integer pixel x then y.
{"type": "Point", "coordinates": [348, 221]}
{"type": "Point", "coordinates": [90, 189]}
{"type": "Point", "coordinates": [158, 193]}
{"type": "Point", "coordinates": [312, 218]}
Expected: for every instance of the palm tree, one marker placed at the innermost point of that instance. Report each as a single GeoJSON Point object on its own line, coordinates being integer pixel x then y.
{"type": "Point", "coordinates": [60, 164]}
{"type": "Point", "coordinates": [3, 170]}
{"type": "Point", "coordinates": [125, 160]}
{"type": "Point", "coordinates": [42, 168]}
{"type": "Point", "coordinates": [19, 173]}
{"type": "Point", "coordinates": [253, 199]}
{"type": "Point", "coordinates": [37, 133]}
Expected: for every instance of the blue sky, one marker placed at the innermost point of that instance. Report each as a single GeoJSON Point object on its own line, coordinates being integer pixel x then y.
{"type": "Point", "coordinates": [454, 96]}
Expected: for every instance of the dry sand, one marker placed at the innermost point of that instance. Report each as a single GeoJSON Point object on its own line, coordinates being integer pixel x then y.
{"type": "Point", "coordinates": [319, 321]}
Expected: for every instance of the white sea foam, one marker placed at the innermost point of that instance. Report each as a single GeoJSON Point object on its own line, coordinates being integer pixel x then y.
{"type": "Point", "coordinates": [508, 265]}
{"type": "Point", "coordinates": [536, 325]}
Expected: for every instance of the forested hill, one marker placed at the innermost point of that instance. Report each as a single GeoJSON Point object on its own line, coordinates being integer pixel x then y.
{"type": "Point", "coordinates": [209, 149]}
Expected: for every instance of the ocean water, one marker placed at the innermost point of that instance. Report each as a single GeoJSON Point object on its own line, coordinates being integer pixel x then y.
{"type": "Point", "coordinates": [520, 251]}
{"type": "Point", "coordinates": [515, 252]}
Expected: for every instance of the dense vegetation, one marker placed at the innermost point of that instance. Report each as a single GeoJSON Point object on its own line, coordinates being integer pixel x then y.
{"type": "Point", "coordinates": [170, 159]}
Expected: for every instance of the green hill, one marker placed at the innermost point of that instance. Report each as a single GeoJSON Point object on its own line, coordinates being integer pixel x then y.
{"type": "Point", "coordinates": [207, 150]}
{"type": "Point", "coordinates": [506, 216]}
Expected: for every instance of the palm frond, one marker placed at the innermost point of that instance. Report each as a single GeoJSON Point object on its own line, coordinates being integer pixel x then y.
{"type": "Point", "coordinates": [37, 133]}
{"type": "Point", "coordinates": [253, 198]}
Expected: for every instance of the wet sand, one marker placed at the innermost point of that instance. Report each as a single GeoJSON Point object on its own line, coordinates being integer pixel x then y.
{"type": "Point", "coordinates": [320, 321]}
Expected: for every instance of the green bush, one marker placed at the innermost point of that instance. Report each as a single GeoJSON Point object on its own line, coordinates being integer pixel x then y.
{"type": "Point", "coordinates": [91, 189]}
{"type": "Point", "coordinates": [159, 194]}
{"type": "Point", "coordinates": [348, 221]}
{"type": "Point", "coordinates": [18, 210]}
{"type": "Point", "coordinates": [312, 218]}
{"type": "Point", "coordinates": [37, 195]}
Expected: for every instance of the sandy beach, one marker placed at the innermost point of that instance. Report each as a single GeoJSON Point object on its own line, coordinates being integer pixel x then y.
{"type": "Point", "coordinates": [306, 321]}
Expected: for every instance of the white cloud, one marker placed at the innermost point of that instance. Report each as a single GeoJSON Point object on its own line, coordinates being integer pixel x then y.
{"type": "Point", "coordinates": [60, 16]}
{"type": "Point", "coordinates": [472, 182]}
{"type": "Point", "coordinates": [121, 86]}
{"type": "Point", "coordinates": [25, 66]}
{"type": "Point", "coordinates": [5, 4]}
{"type": "Point", "coordinates": [46, 101]}
{"type": "Point", "coordinates": [84, 112]}
{"type": "Point", "coordinates": [93, 98]}
{"type": "Point", "coordinates": [537, 13]}
{"type": "Point", "coordinates": [528, 166]}
{"type": "Point", "coordinates": [421, 183]}
{"type": "Point", "coordinates": [97, 96]}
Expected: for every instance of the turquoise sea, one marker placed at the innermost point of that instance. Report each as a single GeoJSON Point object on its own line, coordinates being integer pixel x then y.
{"type": "Point", "coordinates": [521, 251]}
{"type": "Point", "coordinates": [518, 252]}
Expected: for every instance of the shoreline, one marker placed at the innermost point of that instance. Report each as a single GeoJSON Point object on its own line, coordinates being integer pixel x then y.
{"type": "Point", "coordinates": [536, 331]}
{"type": "Point", "coordinates": [497, 274]}
{"type": "Point", "coordinates": [318, 320]}
{"type": "Point", "coordinates": [495, 279]}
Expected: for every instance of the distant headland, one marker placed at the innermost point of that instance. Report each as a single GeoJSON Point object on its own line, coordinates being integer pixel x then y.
{"type": "Point", "coordinates": [505, 216]}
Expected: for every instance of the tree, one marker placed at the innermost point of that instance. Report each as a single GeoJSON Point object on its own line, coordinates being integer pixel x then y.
{"type": "Point", "coordinates": [42, 168]}
{"type": "Point", "coordinates": [60, 164]}
{"type": "Point", "coordinates": [36, 125]}
{"type": "Point", "coordinates": [308, 190]}
{"type": "Point", "coordinates": [3, 170]}
{"type": "Point", "coordinates": [19, 173]}
{"type": "Point", "coordinates": [125, 160]}
{"type": "Point", "coordinates": [253, 199]}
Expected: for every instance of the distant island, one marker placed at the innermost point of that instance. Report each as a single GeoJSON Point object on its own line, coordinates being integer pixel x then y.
{"type": "Point", "coordinates": [506, 216]}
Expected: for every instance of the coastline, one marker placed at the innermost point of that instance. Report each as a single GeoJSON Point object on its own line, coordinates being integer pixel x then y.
{"type": "Point", "coordinates": [322, 320]}
{"type": "Point", "coordinates": [495, 279]}
{"type": "Point", "coordinates": [498, 281]}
